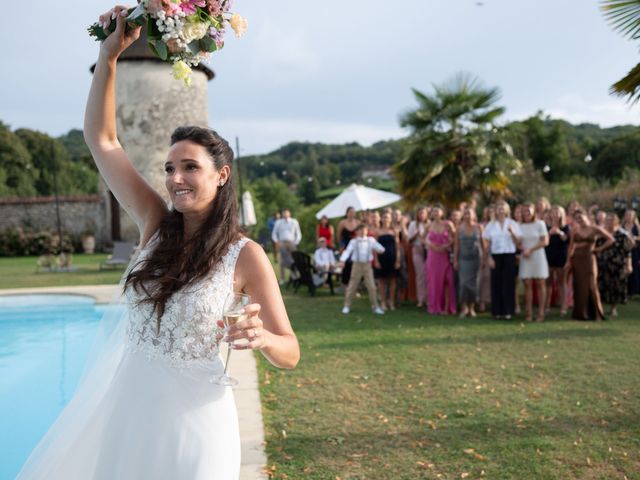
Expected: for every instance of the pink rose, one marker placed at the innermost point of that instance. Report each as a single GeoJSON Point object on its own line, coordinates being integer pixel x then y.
{"type": "Point", "coordinates": [214, 7]}
{"type": "Point", "coordinates": [189, 6]}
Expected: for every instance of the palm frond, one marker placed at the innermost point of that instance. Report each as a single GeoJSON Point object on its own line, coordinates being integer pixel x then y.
{"type": "Point", "coordinates": [629, 86]}
{"type": "Point", "coordinates": [623, 15]}
{"type": "Point", "coordinates": [488, 116]}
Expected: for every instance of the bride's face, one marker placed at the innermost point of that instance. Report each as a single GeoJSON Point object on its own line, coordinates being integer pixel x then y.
{"type": "Point", "coordinates": [191, 177]}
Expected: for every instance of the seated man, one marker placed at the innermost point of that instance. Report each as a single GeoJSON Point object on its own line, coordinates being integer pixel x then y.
{"type": "Point", "coordinates": [324, 260]}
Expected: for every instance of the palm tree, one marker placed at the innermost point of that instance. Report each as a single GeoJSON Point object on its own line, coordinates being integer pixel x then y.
{"type": "Point", "coordinates": [455, 148]}
{"type": "Point", "coordinates": [624, 16]}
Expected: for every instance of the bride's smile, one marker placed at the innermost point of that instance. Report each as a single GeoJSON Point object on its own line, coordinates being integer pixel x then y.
{"type": "Point", "coordinates": [191, 178]}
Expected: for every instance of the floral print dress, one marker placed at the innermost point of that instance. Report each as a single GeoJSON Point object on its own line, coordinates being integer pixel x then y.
{"type": "Point", "coordinates": [612, 277]}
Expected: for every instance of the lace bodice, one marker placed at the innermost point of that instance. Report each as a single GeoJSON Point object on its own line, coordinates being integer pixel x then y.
{"type": "Point", "coordinates": [188, 327]}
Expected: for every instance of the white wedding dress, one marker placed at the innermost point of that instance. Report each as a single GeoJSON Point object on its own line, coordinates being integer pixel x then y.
{"type": "Point", "coordinates": [145, 408]}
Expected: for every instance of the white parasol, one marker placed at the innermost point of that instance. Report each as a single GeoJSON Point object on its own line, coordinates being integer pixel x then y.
{"type": "Point", "coordinates": [248, 210]}
{"type": "Point", "coordinates": [360, 198]}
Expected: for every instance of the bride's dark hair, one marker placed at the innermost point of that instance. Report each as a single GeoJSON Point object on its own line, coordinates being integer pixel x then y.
{"type": "Point", "coordinates": [175, 262]}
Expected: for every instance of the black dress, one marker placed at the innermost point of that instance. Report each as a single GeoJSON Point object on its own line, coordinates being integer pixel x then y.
{"type": "Point", "coordinates": [557, 249]}
{"type": "Point", "coordinates": [345, 236]}
{"type": "Point", "coordinates": [387, 259]}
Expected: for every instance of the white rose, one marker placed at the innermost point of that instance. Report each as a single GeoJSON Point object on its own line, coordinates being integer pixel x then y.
{"type": "Point", "coordinates": [194, 31]}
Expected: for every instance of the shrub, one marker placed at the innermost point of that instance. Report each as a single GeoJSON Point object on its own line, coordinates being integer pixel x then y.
{"type": "Point", "coordinates": [18, 242]}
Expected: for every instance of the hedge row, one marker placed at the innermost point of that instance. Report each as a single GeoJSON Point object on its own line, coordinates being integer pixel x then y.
{"type": "Point", "coordinates": [19, 242]}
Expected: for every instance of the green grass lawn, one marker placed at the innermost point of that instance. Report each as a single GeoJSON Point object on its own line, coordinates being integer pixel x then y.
{"type": "Point", "coordinates": [411, 396]}
{"type": "Point", "coordinates": [20, 272]}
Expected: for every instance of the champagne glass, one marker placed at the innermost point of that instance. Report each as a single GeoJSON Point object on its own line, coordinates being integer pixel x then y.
{"type": "Point", "coordinates": [232, 313]}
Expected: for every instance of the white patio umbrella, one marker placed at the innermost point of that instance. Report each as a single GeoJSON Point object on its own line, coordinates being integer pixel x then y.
{"type": "Point", "coordinates": [248, 210]}
{"type": "Point", "coordinates": [360, 198]}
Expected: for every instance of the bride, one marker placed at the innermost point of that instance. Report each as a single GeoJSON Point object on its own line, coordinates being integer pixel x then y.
{"type": "Point", "coordinates": [145, 409]}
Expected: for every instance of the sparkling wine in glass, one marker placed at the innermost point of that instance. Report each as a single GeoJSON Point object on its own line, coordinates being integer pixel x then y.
{"type": "Point", "coordinates": [232, 313]}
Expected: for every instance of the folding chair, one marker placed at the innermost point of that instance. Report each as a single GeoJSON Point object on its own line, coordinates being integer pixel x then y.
{"type": "Point", "coordinates": [121, 255]}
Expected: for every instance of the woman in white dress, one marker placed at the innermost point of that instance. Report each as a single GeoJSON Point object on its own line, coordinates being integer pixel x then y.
{"type": "Point", "coordinates": [146, 408]}
{"type": "Point", "coordinates": [534, 268]}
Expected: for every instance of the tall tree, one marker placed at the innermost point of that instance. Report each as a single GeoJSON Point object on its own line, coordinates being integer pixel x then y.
{"type": "Point", "coordinates": [74, 142]}
{"type": "Point", "coordinates": [56, 169]}
{"type": "Point", "coordinates": [274, 195]}
{"type": "Point", "coordinates": [620, 154]}
{"type": "Point", "coordinates": [455, 148]}
{"type": "Point", "coordinates": [543, 141]}
{"type": "Point", "coordinates": [624, 16]}
{"type": "Point", "coordinates": [308, 190]}
{"type": "Point", "coordinates": [17, 170]}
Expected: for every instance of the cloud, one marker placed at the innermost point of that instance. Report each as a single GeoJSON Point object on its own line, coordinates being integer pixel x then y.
{"type": "Point", "coordinates": [283, 56]}
{"type": "Point", "coordinates": [576, 109]}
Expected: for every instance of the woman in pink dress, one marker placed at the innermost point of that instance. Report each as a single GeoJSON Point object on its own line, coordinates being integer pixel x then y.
{"type": "Point", "coordinates": [438, 239]}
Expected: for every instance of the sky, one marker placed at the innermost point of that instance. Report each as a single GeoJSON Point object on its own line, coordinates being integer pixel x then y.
{"type": "Point", "coordinates": [341, 71]}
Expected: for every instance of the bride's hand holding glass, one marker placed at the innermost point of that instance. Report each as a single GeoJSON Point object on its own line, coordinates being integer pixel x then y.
{"type": "Point", "coordinates": [248, 333]}
{"type": "Point", "coordinates": [243, 330]}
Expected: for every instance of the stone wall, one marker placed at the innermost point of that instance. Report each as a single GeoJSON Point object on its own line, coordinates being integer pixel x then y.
{"type": "Point", "coordinates": [76, 214]}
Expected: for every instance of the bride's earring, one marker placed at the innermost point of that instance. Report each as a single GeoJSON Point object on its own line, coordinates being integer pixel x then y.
{"type": "Point", "coordinates": [221, 184]}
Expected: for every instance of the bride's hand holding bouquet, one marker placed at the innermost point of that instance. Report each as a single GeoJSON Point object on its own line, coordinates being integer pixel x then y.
{"type": "Point", "coordinates": [123, 36]}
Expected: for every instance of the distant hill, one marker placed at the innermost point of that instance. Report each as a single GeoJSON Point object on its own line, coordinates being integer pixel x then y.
{"type": "Point", "coordinates": [557, 143]}
{"type": "Point", "coordinates": [298, 161]}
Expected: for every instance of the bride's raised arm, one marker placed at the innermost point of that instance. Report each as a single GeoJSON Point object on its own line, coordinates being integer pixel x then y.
{"type": "Point", "coordinates": [132, 191]}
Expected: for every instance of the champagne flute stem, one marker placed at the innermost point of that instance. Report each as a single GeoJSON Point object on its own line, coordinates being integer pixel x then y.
{"type": "Point", "coordinates": [226, 363]}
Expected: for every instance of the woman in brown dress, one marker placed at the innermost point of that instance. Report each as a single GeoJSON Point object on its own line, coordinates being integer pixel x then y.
{"type": "Point", "coordinates": [582, 262]}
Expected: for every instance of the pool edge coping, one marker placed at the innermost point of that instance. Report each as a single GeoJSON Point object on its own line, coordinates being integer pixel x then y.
{"type": "Point", "coordinates": [102, 294]}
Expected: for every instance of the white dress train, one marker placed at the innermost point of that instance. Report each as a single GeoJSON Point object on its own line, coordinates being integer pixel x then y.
{"type": "Point", "coordinates": [146, 408]}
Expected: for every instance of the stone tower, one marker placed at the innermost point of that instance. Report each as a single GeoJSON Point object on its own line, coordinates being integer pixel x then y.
{"type": "Point", "coordinates": [150, 105]}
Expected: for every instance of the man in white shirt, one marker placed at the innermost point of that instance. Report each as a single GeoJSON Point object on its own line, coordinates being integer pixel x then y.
{"type": "Point", "coordinates": [324, 261]}
{"type": "Point", "coordinates": [361, 249]}
{"type": "Point", "coordinates": [286, 235]}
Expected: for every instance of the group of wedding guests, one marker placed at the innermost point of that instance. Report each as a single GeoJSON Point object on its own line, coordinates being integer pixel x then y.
{"type": "Point", "coordinates": [452, 262]}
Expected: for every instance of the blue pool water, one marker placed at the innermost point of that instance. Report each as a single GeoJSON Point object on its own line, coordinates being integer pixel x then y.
{"type": "Point", "coordinates": [44, 340]}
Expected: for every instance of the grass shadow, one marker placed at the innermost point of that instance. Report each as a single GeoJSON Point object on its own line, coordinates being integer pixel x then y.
{"type": "Point", "coordinates": [474, 339]}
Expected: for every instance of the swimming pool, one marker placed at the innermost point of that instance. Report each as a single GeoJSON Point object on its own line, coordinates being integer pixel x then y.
{"type": "Point", "coordinates": [44, 340]}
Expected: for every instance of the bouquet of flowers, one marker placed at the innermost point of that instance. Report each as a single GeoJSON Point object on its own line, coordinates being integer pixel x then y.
{"type": "Point", "coordinates": [181, 32]}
